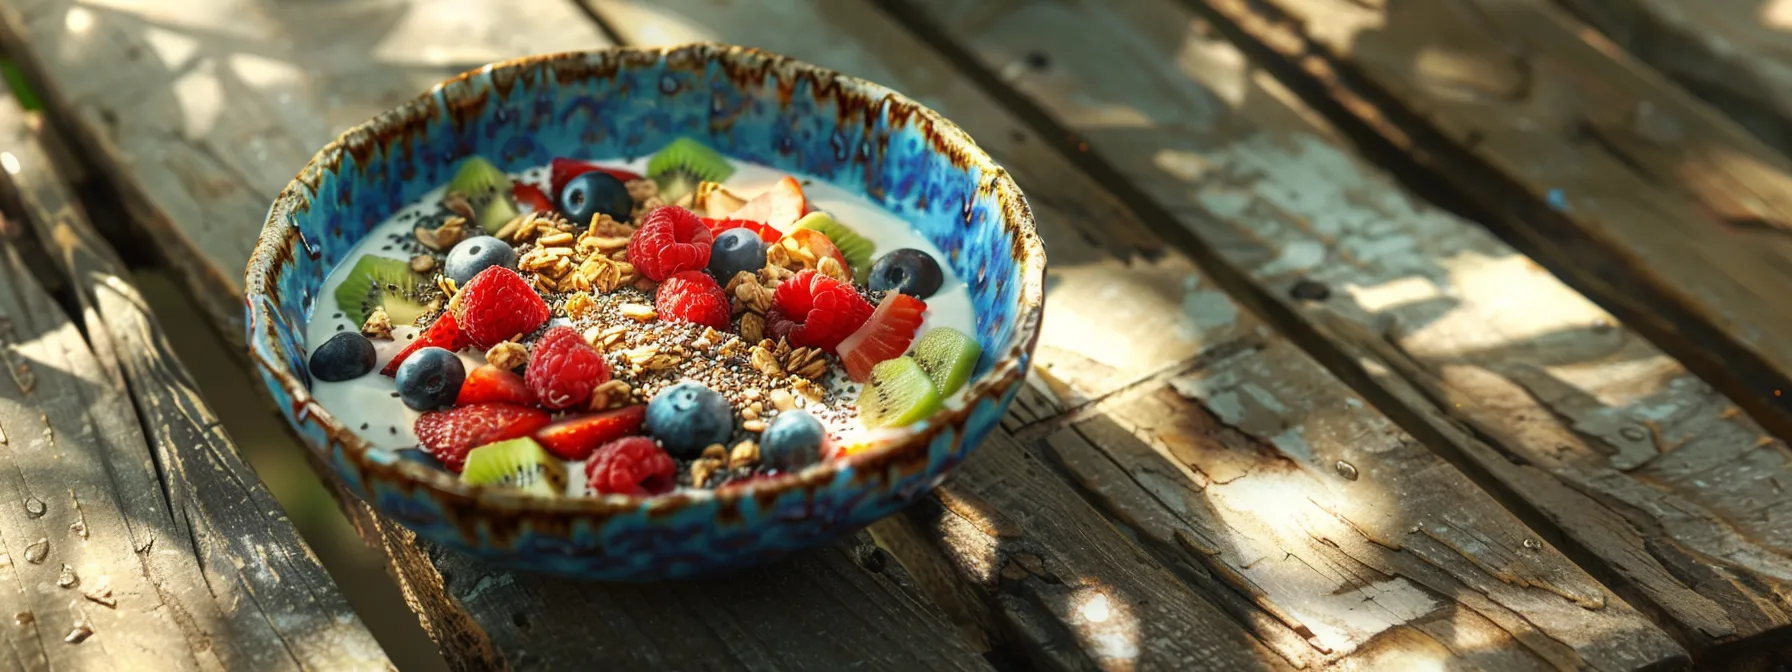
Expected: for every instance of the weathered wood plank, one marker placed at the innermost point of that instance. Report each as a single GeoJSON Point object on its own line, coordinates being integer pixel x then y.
{"type": "Point", "coordinates": [1657, 206]}
{"type": "Point", "coordinates": [1635, 460]}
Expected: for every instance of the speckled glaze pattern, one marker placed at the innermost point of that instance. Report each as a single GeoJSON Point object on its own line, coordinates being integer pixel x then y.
{"type": "Point", "coordinates": [626, 103]}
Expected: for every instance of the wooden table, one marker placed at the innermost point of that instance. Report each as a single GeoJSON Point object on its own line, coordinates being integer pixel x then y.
{"type": "Point", "coordinates": [1296, 406]}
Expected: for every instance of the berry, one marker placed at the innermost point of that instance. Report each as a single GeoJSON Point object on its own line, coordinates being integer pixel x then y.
{"type": "Point", "coordinates": [694, 297]}
{"type": "Point", "coordinates": [575, 438]}
{"type": "Point", "coordinates": [595, 193]}
{"type": "Point", "coordinates": [764, 231]}
{"type": "Point", "coordinates": [346, 356]}
{"type": "Point", "coordinates": [884, 337]}
{"type": "Point", "coordinates": [562, 171]}
{"type": "Point", "coordinates": [468, 257]}
{"type": "Point", "coordinates": [779, 206]}
{"type": "Point", "coordinates": [564, 369]}
{"type": "Point", "coordinates": [531, 197]}
{"type": "Point", "coordinates": [736, 250]}
{"type": "Point", "coordinates": [688, 417]}
{"type": "Point", "coordinates": [430, 379]}
{"type": "Point", "coordinates": [816, 311]}
{"type": "Point", "coordinates": [670, 240]}
{"type": "Point", "coordinates": [630, 466]}
{"type": "Point", "coordinates": [909, 271]}
{"type": "Point", "coordinates": [792, 441]}
{"type": "Point", "coordinates": [488, 383]}
{"type": "Point", "coordinates": [449, 435]}
{"type": "Point", "coordinates": [498, 305]}
{"type": "Point", "coordinates": [444, 334]}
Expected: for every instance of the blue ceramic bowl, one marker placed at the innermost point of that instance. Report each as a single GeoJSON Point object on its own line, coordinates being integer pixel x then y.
{"type": "Point", "coordinates": [750, 105]}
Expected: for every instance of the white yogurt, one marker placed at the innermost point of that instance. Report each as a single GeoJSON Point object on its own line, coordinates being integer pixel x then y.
{"type": "Point", "coordinates": [369, 405]}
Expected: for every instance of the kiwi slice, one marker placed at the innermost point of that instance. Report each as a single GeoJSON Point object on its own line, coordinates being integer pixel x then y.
{"type": "Point", "coordinates": [899, 393]}
{"type": "Point", "coordinates": [378, 281]}
{"type": "Point", "coordinates": [948, 356]}
{"type": "Point", "coordinates": [488, 189]}
{"type": "Point", "coordinates": [856, 248]}
{"type": "Point", "coordinates": [496, 213]}
{"type": "Point", "coordinates": [518, 463]}
{"type": "Point", "coordinates": [683, 164]}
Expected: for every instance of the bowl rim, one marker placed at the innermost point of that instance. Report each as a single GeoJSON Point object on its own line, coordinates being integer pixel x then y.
{"type": "Point", "coordinates": [278, 234]}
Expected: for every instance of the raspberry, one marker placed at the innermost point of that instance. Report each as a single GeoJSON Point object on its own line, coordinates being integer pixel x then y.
{"type": "Point", "coordinates": [630, 466]}
{"type": "Point", "coordinates": [449, 435]}
{"type": "Point", "coordinates": [671, 240]}
{"type": "Point", "coordinates": [498, 305]}
{"type": "Point", "coordinates": [564, 369]}
{"type": "Point", "coordinates": [816, 311]}
{"type": "Point", "coordinates": [693, 296]}
{"type": "Point", "coordinates": [444, 334]}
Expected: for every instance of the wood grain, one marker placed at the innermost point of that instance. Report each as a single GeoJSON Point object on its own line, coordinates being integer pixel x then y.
{"type": "Point", "coordinates": [1631, 457]}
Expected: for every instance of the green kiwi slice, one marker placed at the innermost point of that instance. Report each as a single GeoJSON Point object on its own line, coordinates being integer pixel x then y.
{"type": "Point", "coordinates": [488, 189]}
{"type": "Point", "coordinates": [518, 463]}
{"type": "Point", "coordinates": [681, 165]}
{"type": "Point", "coordinates": [496, 213]}
{"type": "Point", "coordinates": [378, 281]}
{"type": "Point", "coordinates": [899, 393]}
{"type": "Point", "coordinates": [856, 248]}
{"type": "Point", "coordinates": [948, 356]}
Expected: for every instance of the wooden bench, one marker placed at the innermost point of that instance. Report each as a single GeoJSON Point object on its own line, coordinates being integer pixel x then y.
{"type": "Point", "coordinates": [1289, 412]}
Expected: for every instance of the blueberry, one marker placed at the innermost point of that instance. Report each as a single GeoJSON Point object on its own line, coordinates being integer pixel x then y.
{"type": "Point", "coordinates": [430, 379]}
{"type": "Point", "coordinates": [687, 417]}
{"type": "Point", "coordinates": [592, 193]}
{"type": "Point", "coordinates": [476, 254]}
{"type": "Point", "coordinates": [909, 271]}
{"type": "Point", "coordinates": [792, 441]}
{"type": "Point", "coordinates": [420, 457]}
{"type": "Point", "coordinates": [735, 250]}
{"type": "Point", "coordinates": [346, 356]}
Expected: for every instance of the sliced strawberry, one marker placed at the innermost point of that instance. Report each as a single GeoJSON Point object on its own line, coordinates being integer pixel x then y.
{"type": "Point", "coordinates": [563, 170]}
{"type": "Point", "coordinates": [530, 196]}
{"type": "Point", "coordinates": [575, 438]}
{"type": "Point", "coordinates": [884, 337]}
{"type": "Point", "coordinates": [449, 435]}
{"type": "Point", "coordinates": [779, 206]}
{"type": "Point", "coordinates": [444, 334]}
{"type": "Point", "coordinates": [765, 231]}
{"type": "Point", "coordinates": [487, 384]}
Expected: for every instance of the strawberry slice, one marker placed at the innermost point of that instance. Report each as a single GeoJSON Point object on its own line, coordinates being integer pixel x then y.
{"type": "Point", "coordinates": [576, 438]}
{"type": "Point", "coordinates": [444, 334]}
{"type": "Point", "coordinates": [779, 206]}
{"type": "Point", "coordinates": [490, 384]}
{"type": "Point", "coordinates": [717, 226]}
{"type": "Point", "coordinates": [530, 196]}
{"type": "Point", "coordinates": [884, 337]}
{"type": "Point", "coordinates": [562, 171]}
{"type": "Point", "coordinates": [449, 435]}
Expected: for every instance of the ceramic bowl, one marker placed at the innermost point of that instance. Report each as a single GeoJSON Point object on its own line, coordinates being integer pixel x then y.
{"type": "Point", "coordinates": [750, 105]}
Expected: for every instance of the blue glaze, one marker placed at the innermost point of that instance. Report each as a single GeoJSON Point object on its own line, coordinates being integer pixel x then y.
{"type": "Point", "coordinates": [627, 103]}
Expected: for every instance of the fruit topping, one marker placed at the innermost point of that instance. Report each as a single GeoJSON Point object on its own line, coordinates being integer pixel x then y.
{"type": "Point", "coordinates": [496, 213]}
{"type": "Point", "coordinates": [714, 200]}
{"type": "Point", "coordinates": [898, 393]}
{"type": "Point", "coordinates": [561, 172]}
{"type": "Point", "coordinates": [884, 337]}
{"type": "Point", "coordinates": [791, 441]}
{"type": "Point", "coordinates": [805, 248]}
{"type": "Point", "coordinates": [498, 305]}
{"type": "Point", "coordinates": [531, 197]}
{"type": "Point", "coordinates": [518, 463]}
{"type": "Point", "coordinates": [854, 248]}
{"type": "Point", "coordinates": [671, 240]}
{"type": "Point", "coordinates": [683, 164]}
{"type": "Point", "coordinates": [476, 254]}
{"type": "Point", "coordinates": [487, 189]}
{"type": "Point", "coordinates": [909, 271]}
{"type": "Point", "coordinates": [444, 334]}
{"type": "Point", "coordinates": [381, 282]}
{"type": "Point", "coordinates": [575, 438]}
{"type": "Point", "coordinates": [595, 193]}
{"type": "Point", "coordinates": [487, 383]}
{"type": "Point", "coordinates": [448, 435]}
{"type": "Point", "coordinates": [765, 232]}
{"type": "Point", "coordinates": [736, 250]}
{"type": "Point", "coordinates": [430, 379]}
{"type": "Point", "coordinates": [816, 311]}
{"type": "Point", "coordinates": [949, 356]}
{"type": "Point", "coordinates": [630, 466]}
{"type": "Point", "coordinates": [346, 356]}
{"type": "Point", "coordinates": [780, 206]}
{"type": "Point", "coordinates": [564, 369]}
{"type": "Point", "coordinates": [688, 417]}
{"type": "Point", "coordinates": [694, 297]}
